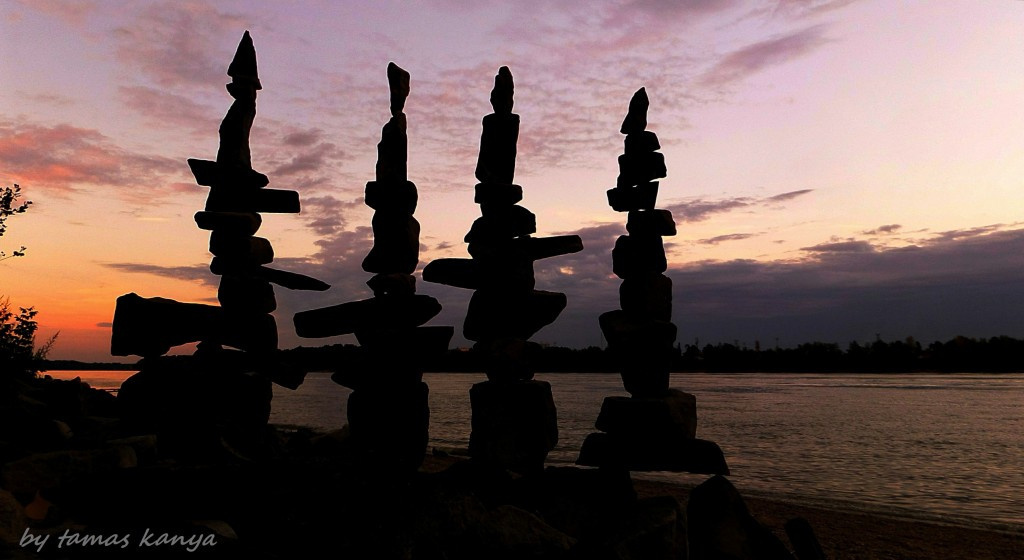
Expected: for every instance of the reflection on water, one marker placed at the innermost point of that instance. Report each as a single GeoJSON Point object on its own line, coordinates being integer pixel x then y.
{"type": "Point", "coordinates": [939, 446]}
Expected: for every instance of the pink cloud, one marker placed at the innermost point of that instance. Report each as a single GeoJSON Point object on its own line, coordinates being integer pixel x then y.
{"type": "Point", "coordinates": [756, 57]}
{"type": "Point", "coordinates": [63, 157]}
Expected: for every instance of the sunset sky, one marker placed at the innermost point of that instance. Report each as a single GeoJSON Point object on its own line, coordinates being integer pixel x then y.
{"type": "Point", "coordinates": [838, 169]}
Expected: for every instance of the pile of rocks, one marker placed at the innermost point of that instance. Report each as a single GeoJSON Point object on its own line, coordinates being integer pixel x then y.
{"type": "Point", "coordinates": [655, 428]}
{"type": "Point", "coordinates": [514, 418]}
{"type": "Point", "coordinates": [220, 386]}
{"type": "Point", "coordinates": [387, 410]}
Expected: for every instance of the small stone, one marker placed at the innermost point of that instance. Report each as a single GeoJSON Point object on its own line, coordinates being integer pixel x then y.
{"type": "Point", "coordinates": [262, 200]}
{"type": "Point", "coordinates": [246, 293]}
{"type": "Point", "coordinates": [497, 160]}
{"type": "Point", "coordinates": [374, 313]}
{"type": "Point", "coordinates": [636, 118]}
{"type": "Point", "coordinates": [246, 248]}
{"type": "Point", "coordinates": [417, 343]}
{"type": "Point", "coordinates": [640, 142]}
{"type": "Point", "coordinates": [396, 244]}
{"type": "Point", "coordinates": [504, 88]}
{"type": "Point", "coordinates": [514, 425]}
{"type": "Point", "coordinates": [392, 284]}
{"type": "Point", "coordinates": [640, 168]}
{"type": "Point", "coordinates": [637, 256]}
{"type": "Point", "coordinates": [647, 297]}
{"type": "Point", "coordinates": [640, 197]}
{"type": "Point", "coordinates": [500, 223]}
{"type": "Point", "coordinates": [213, 174]}
{"type": "Point", "coordinates": [240, 223]}
{"type": "Point", "coordinates": [508, 359]}
{"type": "Point", "coordinates": [398, 83]}
{"type": "Point", "coordinates": [497, 193]}
{"type": "Point", "coordinates": [395, 196]}
{"type": "Point", "coordinates": [393, 151]}
{"type": "Point", "coordinates": [651, 222]}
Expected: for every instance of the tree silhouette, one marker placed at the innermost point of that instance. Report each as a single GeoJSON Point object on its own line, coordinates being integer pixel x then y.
{"type": "Point", "coordinates": [8, 207]}
{"type": "Point", "coordinates": [17, 331]}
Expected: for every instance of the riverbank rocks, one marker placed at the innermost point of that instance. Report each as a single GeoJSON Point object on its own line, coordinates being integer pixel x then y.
{"type": "Point", "coordinates": [514, 421]}
{"type": "Point", "coordinates": [220, 387]}
{"type": "Point", "coordinates": [388, 415]}
{"type": "Point", "coordinates": [655, 428]}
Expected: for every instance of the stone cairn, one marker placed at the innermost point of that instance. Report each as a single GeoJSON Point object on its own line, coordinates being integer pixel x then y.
{"type": "Point", "coordinates": [218, 387]}
{"type": "Point", "coordinates": [514, 418]}
{"type": "Point", "coordinates": [655, 428]}
{"type": "Point", "coordinates": [388, 415]}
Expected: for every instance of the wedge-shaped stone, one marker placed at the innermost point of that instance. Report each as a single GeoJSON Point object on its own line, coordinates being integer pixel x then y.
{"type": "Point", "coordinates": [396, 244]}
{"type": "Point", "coordinates": [546, 247]}
{"type": "Point", "coordinates": [504, 89]}
{"type": "Point", "coordinates": [393, 196]}
{"type": "Point", "coordinates": [640, 142]}
{"type": "Point", "coordinates": [213, 174]}
{"type": "Point", "coordinates": [673, 453]}
{"type": "Point", "coordinates": [640, 197]}
{"type": "Point", "coordinates": [500, 314]}
{"type": "Point", "coordinates": [640, 168]}
{"type": "Point", "coordinates": [636, 116]}
{"type": "Point", "coordinates": [262, 200]}
{"type": "Point", "coordinates": [497, 193]}
{"type": "Point", "coordinates": [241, 223]}
{"type": "Point", "coordinates": [243, 65]}
{"type": "Point", "coordinates": [500, 222]}
{"type": "Point", "coordinates": [460, 273]}
{"type": "Point", "coordinates": [392, 284]}
{"type": "Point", "coordinates": [390, 312]}
{"type": "Point", "coordinates": [152, 326]}
{"type": "Point", "coordinates": [721, 526]}
{"type": "Point", "coordinates": [283, 278]}
{"type": "Point", "coordinates": [637, 256]}
{"type": "Point", "coordinates": [241, 247]}
{"type": "Point", "coordinates": [497, 160]}
{"type": "Point", "coordinates": [651, 222]}
{"type": "Point", "coordinates": [673, 413]}
{"type": "Point", "coordinates": [245, 293]}
{"type": "Point", "coordinates": [398, 84]}
{"type": "Point", "coordinates": [624, 330]}
{"type": "Point", "coordinates": [647, 296]}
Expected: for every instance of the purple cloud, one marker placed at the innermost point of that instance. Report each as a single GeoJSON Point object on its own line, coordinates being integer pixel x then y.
{"type": "Point", "coordinates": [756, 57]}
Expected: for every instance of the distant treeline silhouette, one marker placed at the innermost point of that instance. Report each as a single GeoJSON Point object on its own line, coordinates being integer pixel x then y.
{"type": "Point", "coordinates": [960, 354]}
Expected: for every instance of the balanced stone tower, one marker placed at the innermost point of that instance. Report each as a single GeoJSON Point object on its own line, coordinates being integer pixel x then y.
{"type": "Point", "coordinates": [388, 414]}
{"type": "Point", "coordinates": [655, 428]}
{"type": "Point", "coordinates": [514, 419]}
{"type": "Point", "coordinates": [218, 386]}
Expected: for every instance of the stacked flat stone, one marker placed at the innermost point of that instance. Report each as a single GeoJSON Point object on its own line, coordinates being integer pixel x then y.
{"type": "Point", "coordinates": [387, 410]}
{"type": "Point", "coordinates": [655, 428]}
{"type": "Point", "coordinates": [514, 419]}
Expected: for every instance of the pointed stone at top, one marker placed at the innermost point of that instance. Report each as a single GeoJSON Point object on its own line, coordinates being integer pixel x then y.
{"type": "Point", "coordinates": [398, 80]}
{"type": "Point", "coordinates": [243, 66]}
{"type": "Point", "coordinates": [636, 118]}
{"type": "Point", "coordinates": [501, 95]}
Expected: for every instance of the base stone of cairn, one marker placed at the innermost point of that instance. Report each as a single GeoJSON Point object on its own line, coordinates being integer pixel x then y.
{"type": "Point", "coordinates": [388, 414]}
{"type": "Point", "coordinates": [655, 428]}
{"type": "Point", "coordinates": [514, 424]}
{"type": "Point", "coordinates": [514, 419]}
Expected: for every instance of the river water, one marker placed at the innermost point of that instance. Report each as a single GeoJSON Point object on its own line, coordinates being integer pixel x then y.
{"type": "Point", "coordinates": [944, 447]}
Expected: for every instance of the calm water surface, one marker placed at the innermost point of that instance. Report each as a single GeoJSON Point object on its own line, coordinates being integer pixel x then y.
{"type": "Point", "coordinates": [942, 447]}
